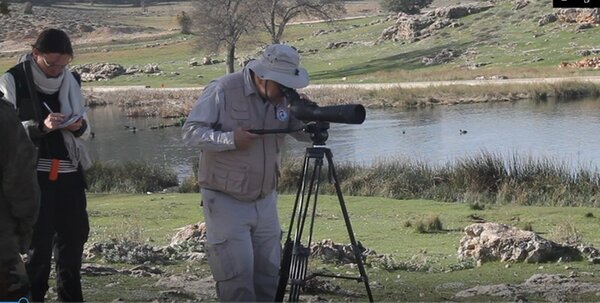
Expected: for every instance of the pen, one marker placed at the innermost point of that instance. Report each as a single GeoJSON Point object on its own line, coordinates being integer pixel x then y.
{"type": "Point", "coordinates": [47, 107]}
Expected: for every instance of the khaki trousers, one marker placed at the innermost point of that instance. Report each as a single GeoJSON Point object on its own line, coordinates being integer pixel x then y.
{"type": "Point", "coordinates": [243, 246]}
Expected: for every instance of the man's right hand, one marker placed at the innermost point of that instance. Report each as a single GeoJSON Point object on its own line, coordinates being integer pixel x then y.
{"type": "Point", "coordinates": [243, 139]}
{"type": "Point", "coordinates": [52, 121]}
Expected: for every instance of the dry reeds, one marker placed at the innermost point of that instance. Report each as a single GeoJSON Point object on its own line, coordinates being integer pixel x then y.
{"type": "Point", "coordinates": [484, 178]}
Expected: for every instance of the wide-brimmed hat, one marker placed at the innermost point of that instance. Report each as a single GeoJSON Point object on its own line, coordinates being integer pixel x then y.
{"type": "Point", "coordinates": [281, 64]}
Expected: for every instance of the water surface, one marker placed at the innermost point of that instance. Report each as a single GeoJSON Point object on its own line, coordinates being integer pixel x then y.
{"type": "Point", "coordinates": [568, 132]}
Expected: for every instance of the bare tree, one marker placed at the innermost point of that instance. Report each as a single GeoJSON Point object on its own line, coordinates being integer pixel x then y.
{"type": "Point", "coordinates": [276, 14]}
{"type": "Point", "coordinates": [221, 23]}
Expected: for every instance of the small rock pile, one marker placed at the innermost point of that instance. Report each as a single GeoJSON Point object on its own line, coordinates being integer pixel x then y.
{"type": "Point", "coordinates": [591, 62]}
{"type": "Point", "coordinates": [578, 15]}
{"type": "Point", "coordinates": [330, 252]}
{"type": "Point", "coordinates": [187, 245]}
{"type": "Point", "coordinates": [551, 287]}
{"type": "Point", "coordinates": [485, 242]}
{"type": "Point", "coordinates": [412, 28]}
{"type": "Point", "coordinates": [444, 56]}
{"type": "Point", "coordinates": [105, 71]}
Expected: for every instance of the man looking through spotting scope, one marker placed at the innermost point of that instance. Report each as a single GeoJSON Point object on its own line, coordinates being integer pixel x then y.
{"type": "Point", "coordinates": [239, 170]}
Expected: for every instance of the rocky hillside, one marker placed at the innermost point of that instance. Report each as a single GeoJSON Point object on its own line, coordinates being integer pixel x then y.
{"type": "Point", "coordinates": [18, 29]}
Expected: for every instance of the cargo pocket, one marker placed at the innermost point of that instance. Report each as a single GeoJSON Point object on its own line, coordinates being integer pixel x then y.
{"type": "Point", "coordinates": [231, 180]}
{"type": "Point", "coordinates": [220, 260]}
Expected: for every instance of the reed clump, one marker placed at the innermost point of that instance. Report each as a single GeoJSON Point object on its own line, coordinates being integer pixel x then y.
{"type": "Point", "coordinates": [483, 179]}
{"type": "Point", "coordinates": [129, 177]}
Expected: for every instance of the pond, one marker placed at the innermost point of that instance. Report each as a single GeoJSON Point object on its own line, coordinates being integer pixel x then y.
{"type": "Point", "coordinates": [566, 131]}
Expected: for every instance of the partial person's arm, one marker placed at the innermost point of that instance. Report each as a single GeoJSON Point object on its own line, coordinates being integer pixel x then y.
{"type": "Point", "coordinates": [8, 88]}
{"type": "Point", "coordinates": [201, 128]}
{"type": "Point", "coordinates": [19, 178]}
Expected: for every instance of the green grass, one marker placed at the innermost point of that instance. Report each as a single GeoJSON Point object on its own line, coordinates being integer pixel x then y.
{"type": "Point", "coordinates": [378, 224]}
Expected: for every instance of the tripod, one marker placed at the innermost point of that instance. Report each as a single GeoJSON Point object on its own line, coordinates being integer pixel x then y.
{"type": "Point", "coordinates": [294, 262]}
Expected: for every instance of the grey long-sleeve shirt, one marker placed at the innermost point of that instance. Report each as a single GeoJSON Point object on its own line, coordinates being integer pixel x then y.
{"type": "Point", "coordinates": [198, 129]}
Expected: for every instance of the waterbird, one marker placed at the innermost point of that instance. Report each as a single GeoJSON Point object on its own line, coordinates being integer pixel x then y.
{"type": "Point", "coordinates": [462, 131]}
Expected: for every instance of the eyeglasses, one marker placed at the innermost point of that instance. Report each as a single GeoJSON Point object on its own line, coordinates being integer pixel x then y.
{"type": "Point", "coordinates": [53, 65]}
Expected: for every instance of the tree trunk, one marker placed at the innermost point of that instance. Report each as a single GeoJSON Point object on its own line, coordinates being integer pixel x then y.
{"type": "Point", "coordinates": [230, 59]}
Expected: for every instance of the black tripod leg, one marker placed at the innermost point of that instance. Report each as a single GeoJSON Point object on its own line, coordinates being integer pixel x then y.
{"type": "Point", "coordinates": [357, 254]}
{"type": "Point", "coordinates": [300, 252]}
{"type": "Point", "coordinates": [298, 271]}
{"type": "Point", "coordinates": [294, 264]}
{"type": "Point", "coordinates": [287, 253]}
{"type": "Point", "coordinates": [284, 269]}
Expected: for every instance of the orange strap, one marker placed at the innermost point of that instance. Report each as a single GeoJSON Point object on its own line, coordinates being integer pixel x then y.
{"type": "Point", "coordinates": [53, 176]}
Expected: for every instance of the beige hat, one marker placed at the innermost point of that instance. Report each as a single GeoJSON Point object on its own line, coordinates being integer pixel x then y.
{"type": "Point", "coordinates": [280, 63]}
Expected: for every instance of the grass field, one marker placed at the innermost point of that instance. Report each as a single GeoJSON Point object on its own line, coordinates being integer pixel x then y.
{"type": "Point", "coordinates": [434, 274]}
{"type": "Point", "coordinates": [506, 41]}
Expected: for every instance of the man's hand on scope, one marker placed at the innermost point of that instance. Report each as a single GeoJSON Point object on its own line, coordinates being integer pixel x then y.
{"type": "Point", "coordinates": [306, 100]}
{"type": "Point", "coordinates": [243, 139]}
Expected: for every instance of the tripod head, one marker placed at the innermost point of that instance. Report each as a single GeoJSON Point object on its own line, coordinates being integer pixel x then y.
{"type": "Point", "coordinates": [318, 132]}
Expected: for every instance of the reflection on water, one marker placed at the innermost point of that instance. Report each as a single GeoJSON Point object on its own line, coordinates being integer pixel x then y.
{"type": "Point", "coordinates": [119, 138]}
{"type": "Point", "coordinates": [564, 131]}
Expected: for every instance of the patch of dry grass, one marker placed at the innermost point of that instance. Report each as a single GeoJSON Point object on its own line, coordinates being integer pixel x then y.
{"type": "Point", "coordinates": [175, 103]}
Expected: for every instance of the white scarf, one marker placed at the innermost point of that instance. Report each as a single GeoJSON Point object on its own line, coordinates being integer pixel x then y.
{"type": "Point", "coordinates": [71, 102]}
{"type": "Point", "coordinates": [70, 96]}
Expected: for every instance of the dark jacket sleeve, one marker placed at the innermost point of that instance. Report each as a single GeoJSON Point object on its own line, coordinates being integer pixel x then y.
{"type": "Point", "coordinates": [18, 157]}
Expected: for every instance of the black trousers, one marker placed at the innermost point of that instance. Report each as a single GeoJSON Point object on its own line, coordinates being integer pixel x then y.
{"type": "Point", "coordinates": [62, 227]}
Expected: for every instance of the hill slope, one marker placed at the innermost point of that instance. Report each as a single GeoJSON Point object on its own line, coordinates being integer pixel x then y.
{"type": "Point", "coordinates": [501, 40]}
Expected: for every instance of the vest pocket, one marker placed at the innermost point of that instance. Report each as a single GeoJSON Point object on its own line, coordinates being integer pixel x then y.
{"type": "Point", "coordinates": [229, 179]}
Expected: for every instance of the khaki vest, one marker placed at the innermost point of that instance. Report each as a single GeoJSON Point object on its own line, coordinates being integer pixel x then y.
{"type": "Point", "coordinates": [252, 173]}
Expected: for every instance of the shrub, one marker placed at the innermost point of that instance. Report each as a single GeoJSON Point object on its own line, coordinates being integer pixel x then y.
{"type": "Point", "coordinates": [429, 225]}
{"type": "Point", "coordinates": [420, 227]}
{"type": "Point", "coordinates": [476, 206]}
{"type": "Point", "coordinates": [189, 185]}
{"type": "Point", "coordinates": [434, 224]}
{"type": "Point", "coordinates": [566, 232]}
